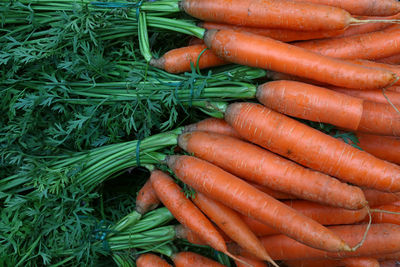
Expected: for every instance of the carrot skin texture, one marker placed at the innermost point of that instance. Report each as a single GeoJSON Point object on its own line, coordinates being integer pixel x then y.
{"type": "Point", "coordinates": [185, 233]}
{"type": "Point", "coordinates": [381, 239]}
{"type": "Point", "coordinates": [252, 261]}
{"type": "Point", "coordinates": [371, 45]}
{"type": "Point", "coordinates": [394, 59]}
{"type": "Point", "coordinates": [212, 125]}
{"type": "Point", "coordinates": [382, 217]}
{"type": "Point", "coordinates": [222, 186]}
{"type": "Point", "coordinates": [191, 259]}
{"type": "Point", "coordinates": [383, 147]}
{"type": "Point", "coordinates": [357, 262]}
{"type": "Point", "coordinates": [311, 102]}
{"type": "Point", "coordinates": [376, 197]}
{"type": "Point", "coordinates": [263, 52]}
{"type": "Point", "coordinates": [273, 193]}
{"type": "Point", "coordinates": [178, 60]}
{"type": "Point", "coordinates": [146, 199]}
{"type": "Point", "coordinates": [389, 263]}
{"type": "Point", "coordinates": [370, 95]}
{"type": "Point", "coordinates": [151, 260]}
{"type": "Point", "coordinates": [281, 135]}
{"type": "Point", "coordinates": [230, 222]}
{"type": "Point", "coordinates": [184, 210]}
{"type": "Point", "coordinates": [260, 166]}
{"type": "Point", "coordinates": [314, 263]}
{"type": "Point", "coordinates": [373, 64]}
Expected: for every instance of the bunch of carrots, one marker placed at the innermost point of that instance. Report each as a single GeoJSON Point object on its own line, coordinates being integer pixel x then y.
{"type": "Point", "coordinates": [267, 187]}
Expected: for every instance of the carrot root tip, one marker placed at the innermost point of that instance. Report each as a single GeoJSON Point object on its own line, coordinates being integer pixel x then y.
{"type": "Point", "coordinates": [158, 63]}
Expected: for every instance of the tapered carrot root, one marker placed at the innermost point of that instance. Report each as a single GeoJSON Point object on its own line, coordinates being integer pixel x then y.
{"type": "Point", "coordinates": [263, 167]}
{"type": "Point", "coordinates": [146, 199]}
{"type": "Point", "coordinates": [273, 193]}
{"type": "Point", "coordinates": [222, 186]}
{"type": "Point", "coordinates": [230, 222]}
{"type": "Point", "coordinates": [395, 59]}
{"type": "Point", "coordinates": [311, 102]}
{"type": "Point", "coordinates": [372, 45]}
{"type": "Point", "coordinates": [270, 14]}
{"type": "Point", "coordinates": [383, 147]}
{"type": "Point", "coordinates": [180, 59]}
{"type": "Point", "coordinates": [191, 259]}
{"type": "Point", "coordinates": [304, 144]}
{"type": "Point", "coordinates": [212, 125]}
{"type": "Point", "coordinates": [373, 64]}
{"type": "Point", "coordinates": [371, 95]}
{"type": "Point", "coordinates": [376, 198]}
{"type": "Point", "coordinates": [379, 118]}
{"type": "Point", "coordinates": [253, 262]}
{"type": "Point", "coordinates": [381, 239]}
{"type": "Point", "coordinates": [263, 52]}
{"type": "Point", "coordinates": [151, 260]}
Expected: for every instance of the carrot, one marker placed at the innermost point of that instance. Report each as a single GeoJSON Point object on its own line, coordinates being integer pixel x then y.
{"type": "Point", "coordinates": [252, 261]}
{"type": "Point", "coordinates": [357, 262]}
{"type": "Point", "coordinates": [231, 223]}
{"type": "Point", "coordinates": [283, 35]}
{"type": "Point", "coordinates": [263, 52]}
{"type": "Point", "coordinates": [394, 59]}
{"type": "Point", "coordinates": [371, 45]}
{"type": "Point", "coordinates": [179, 60]}
{"type": "Point", "coordinates": [381, 239]}
{"type": "Point", "coordinates": [185, 233]}
{"type": "Point", "coordinates": [390, 256]}
{"type": "Point", "coordinates": [389, 263]}
{"type": "Point", "coordinates": [367, 63]}
{"type": "Point", "coordinates": [151, 260]}
{"type": "Point", "coordinates": [222, 186]}
{"type": "Point", "coordinates": [263, 167]}
{"type": "Point", "coordinates": [379, 118]}
{"type": "Point", "coordinates": [363, 7]}
{"type": "Point", "coordinates": [376, 198]}
{"type": "Point", "coordinates": [383, 147]}
{"type": "Point", "coordinates": [146, 199]}
{"type": "Point", "coordinates": [314, 263]}
{"type": "Point", "coordinates": [212, 125]}
{"type": "Point", "coordinates": [370, 95]}
{"type": "Point", "coordinates": [273, 193]}
{"type": "Point", "coordinates": [270, 14]}
{"type": "Point", "coordinates": [383, 217]}
{"type": "Point", "coordinates": [185, 211]}
{"type": "Point", "coordinates": [191, 259]}
{"type": "Point", "coordinates": [394, 89]}
{"type": "Point", "coordinates": [311, 148]}
{"type": "Point", "coordinates": [195, 41]}
{"type": "Point", "coordinates": [311, 102]}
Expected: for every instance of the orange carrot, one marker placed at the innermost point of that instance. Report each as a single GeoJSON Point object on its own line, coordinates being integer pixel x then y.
{"type": "Point", "coordinates": [185, 211]}
{"type": "Point", "coordinates": [252, 261]}
{"type": "Point", "coordinates": [212, 125]}
{"type": "Point", "coordinates": [151, 260]}
{"type": "Point", "coordinates": [270, 14]}
{"type": "Point", "coordinates": [311, 147]}
{"type": "Point", "coordinates": [381, 239]}
{"type": "Point", "coordinates": [358, 262]}
{"type": "Point", "coordinates": [363, 7]}
{"type": "Point", "coordinates": [383, 217]}
{"type": "Point", "coordinates": [394, 89]}
{"type": "Point", "coordinates": [273, 193]}
{"type": "Point", "coordinates": [222, 186]}
{"type": "Point", "coordinates": [231, 223]}
{"type": "Point", "coordinates": [389, 263]}
{"type": "Point", "coordinates": [372, 45]}
{"type": "Point", "coordinates": [379, 118]}
{"type": "Point", "coordinates": [391, 256]}
{"type": "Point", "coordinates": [263, 52]}
{"type": "Point", "coordinates": [311, 102]}
{"type": "Point", "coordinates": [394, 59]}
{"type": "Point", "coordinates": [146, 199]}
{"type": "Point", "coordinates": [263, 167]}
{"type": "Point", "coordinates": [383, 147]}
{"type": "Point", "coordinates": [185, 233]}
{"type": "Point", "coordinates": [191, 259]}
{"type": "Point", "coordinates": [178, 60]}
{"type": "Point", "coordinates": [376, 198]}
{"type": "Point", "coordinates": [370, 95]}
{"type": "Point", "coordinates": [314, 263]}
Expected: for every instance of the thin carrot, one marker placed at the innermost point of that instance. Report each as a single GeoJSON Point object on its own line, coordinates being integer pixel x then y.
{"type": "Point", "coordinates": [222, 186]}
{"type": "Point", "coordinates": [383, 147]}
{"type": "Point", "coordinates": [311, 148]}
{"type": "Point", "coordinates": [146, 199]}
{"type": "Point", "coordinates": [394, 59]}
{"type": "Point", "coordinates": [273, 193]}
{"type": "Point", "coordinates": [263, 52]}
{"type": "Point", "coordinates": [180, 59]}
{"type": "Point", "coordinates": [151, 260]}
{"type": "Point", "coordinates": [212, 125]}
{"type": "Point", "coordinates": [258, 165]}
{"type": "Point", "coordinates": [371, 45]}
{"type": "Point", "coordinates": [230, 222]}
{"type": "Point", "coordinates": [311, 102]}
{"type": "Point", "coordinates": [380, 118]}
{"type": "Point", "coordinates": [270, 14]}
{"type": "Point", "coordinates": [370, 95]}
{"type": "Point", "coordinates": [191, 259]}
{"type": "Point", "coordinates": [367, 63]}
{"type": "Point", "coordinates": [252, 261]}
{"type": "Point", "coordinates": [384, 217]}
{"type": "Point", "coordinates": [376, 198]}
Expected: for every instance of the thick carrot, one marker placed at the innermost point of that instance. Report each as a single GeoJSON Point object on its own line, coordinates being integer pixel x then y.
{"type": "Point", "coordinates": [222, 186]}
{"type": "Point", "coordinates": [270, 14]}
{"type": "Point", "coordinates": [185, 211]}
{"type": "Point", "coordinates": [376, 198]}
{"type": "Point", "coordinates": [394, 59]}
{"type": "Point", "coordinates": [185, 233]}
{"type": "Point", "coordinates": [230, 222]}
{"type": "Point", "coordinates": [311, 148]}
{"type": "Point", "coordinates": [383, 217]}
{"type": "Point", "coordinates": [283, 35]}
{"type": "Point", "coordinates": [263, 52]}
{"type": "Point", "coordinates": [363, 7]}
{"type": "Point", "coordinates": [191, 259]}
{"type": "Point", "coordinates": [371, 45]}
{"type": "Point", "coordinates": [370, 95]}
{"type": "Point", "coordinates": [311, 102]}
{"type": "Point", "coordinates": [381, 239]}
{"type": "Point", "coordinates": [151, 260]}
{"type": "Point", "coordinates": [179, 60]}
{"type": "Point", "coordinates": [263, 167]}
{"type": "Point", "coordinates": [212, 125]}
{"type": "Point", "coordinates": [252, 261]}
{"type": "Point", "coordinates": [360, 262]}
{"type": "Point", "coordinates": [379, 118]}
{"type": "Point", "coordinates": [273, 193]}
{"type": "Point", "coordinates": [383, 147]}
{"type": "Point", "coordinates": [146, 199]}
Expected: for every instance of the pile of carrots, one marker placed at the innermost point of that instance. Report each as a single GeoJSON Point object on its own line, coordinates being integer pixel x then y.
{"type": "Point", "coordinates": [269, 188]}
